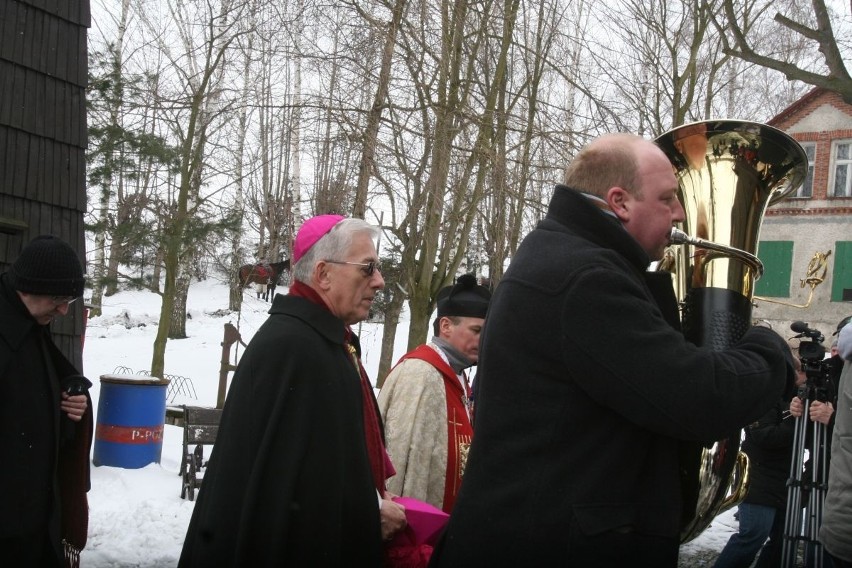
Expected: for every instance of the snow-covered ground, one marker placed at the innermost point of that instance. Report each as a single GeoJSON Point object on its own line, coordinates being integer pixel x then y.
{"type": "Point", "coordinates": [136, 517]}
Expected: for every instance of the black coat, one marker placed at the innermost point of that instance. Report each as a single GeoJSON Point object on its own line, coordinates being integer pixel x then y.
{"type": "Point", "coordinates": [584, 394]}
{"type": "Point", "coordinates": [46, 456]}
{"type": "Point", "coordinates": [289, 480]}
{"type": "Point", "coordinates": [770, 444]}
{"type": "Point", "coordinates": [769, 447]}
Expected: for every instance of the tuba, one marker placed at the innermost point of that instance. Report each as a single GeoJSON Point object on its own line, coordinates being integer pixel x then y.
{"type": "Point", "coordinates": [728, 173]}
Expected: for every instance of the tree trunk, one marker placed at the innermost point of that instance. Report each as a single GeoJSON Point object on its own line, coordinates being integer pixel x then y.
{"type": "Point", "coordinates": [177, 330]}
{"type": "Point", "coordinates": [158, 358]}
{"type": "Point", "coordinates": [375, 115]}
{"type": "Point", "coordinates": [116, 252]}
{"type": "Point", "coordinates": [235, 297]}
{"type": "Point", "coordinates": [294, 217]}
{"type": "Point", "coordinates": [386, 361]}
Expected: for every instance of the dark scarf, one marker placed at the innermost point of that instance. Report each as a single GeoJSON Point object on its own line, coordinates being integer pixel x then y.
{"type": "Point", "coordinates": [373, 429]}
{"type": "Point", "coordinates": [457, 361]}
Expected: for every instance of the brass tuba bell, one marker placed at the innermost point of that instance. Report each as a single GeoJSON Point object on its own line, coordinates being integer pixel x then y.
{"type": "Point", "coordinates": [729, 172]}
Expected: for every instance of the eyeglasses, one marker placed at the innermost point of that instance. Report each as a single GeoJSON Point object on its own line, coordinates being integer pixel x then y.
{"type": "Point", "coordinates": [59, 300]}
{"type": "Point", "coordinates": [368, 268]}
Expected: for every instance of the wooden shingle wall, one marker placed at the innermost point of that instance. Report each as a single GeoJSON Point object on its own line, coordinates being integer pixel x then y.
{"type": "Point", "coordinates": [43, 76]}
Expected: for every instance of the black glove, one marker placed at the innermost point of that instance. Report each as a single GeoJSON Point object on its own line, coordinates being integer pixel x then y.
{"type": "Point", "coordinates": [75, 384]}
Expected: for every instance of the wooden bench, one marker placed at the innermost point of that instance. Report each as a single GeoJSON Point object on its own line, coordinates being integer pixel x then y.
{"type": "Point", "coordinates": [200, 427]}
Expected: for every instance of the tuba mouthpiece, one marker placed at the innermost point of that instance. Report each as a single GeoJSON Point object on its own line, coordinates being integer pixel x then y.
{"type": "Point", "coordinates": [678, 237]}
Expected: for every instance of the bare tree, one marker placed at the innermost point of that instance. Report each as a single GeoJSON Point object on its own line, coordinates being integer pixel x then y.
{"type": "Point", "coordinates": [814, 26]}
{"type": "Point", "coordinates": [113, 96]}
{"type": "Point", "coordinates": [242, 130]}
{"type": "Point", "coordinates": [295, 133]}
{"type": "Point", "coordinates": [455, 108]}
{"type": "Point", "coordinates": [664, 53]}
{"type": "Point", "coordinates": [334, 142]}
{"type": "Point", "coordinates": [275, 162]}
{"type": "Point", "coordinates": [423, 222]}
{"type": "Point", "coordinates": [367, 165]}
{"type": "Point", "coordinates": [127, 160]}
{"type": "Point", "coordinates": [198, 68]}
{"type": "Point", "coordinates": [538, 49]}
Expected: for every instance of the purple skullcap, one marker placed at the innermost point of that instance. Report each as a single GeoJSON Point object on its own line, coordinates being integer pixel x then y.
{"type": "Point", "coordinates": [311, 231]}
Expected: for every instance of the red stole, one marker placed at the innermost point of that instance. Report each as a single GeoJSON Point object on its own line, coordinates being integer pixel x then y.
{"type": "Point", "coordinates": [459, 428]}
{"type": "Point", "coordinates": [379, 462]}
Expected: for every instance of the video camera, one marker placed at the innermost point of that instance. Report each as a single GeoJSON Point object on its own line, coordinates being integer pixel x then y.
{"type": "Point", "coordinates": [821, 372]}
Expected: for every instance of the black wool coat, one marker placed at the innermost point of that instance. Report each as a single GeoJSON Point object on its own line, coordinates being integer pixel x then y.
{"type": "Point", "coordinates": [585, 394]}
{"type": "Point", "coordinates": [769, 447]}
{"type": "Point", "coordinates": [46, 456]}
{"type": "Point", "coordinates": [289, 480]}
{"type": "Point", "coordinates": [770, 444]}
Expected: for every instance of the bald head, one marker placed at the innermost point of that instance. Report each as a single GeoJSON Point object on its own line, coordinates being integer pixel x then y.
{"type": "Point", "coordinates": [608, 161]}
{"type": "Point", "coordinates": [636, 180]}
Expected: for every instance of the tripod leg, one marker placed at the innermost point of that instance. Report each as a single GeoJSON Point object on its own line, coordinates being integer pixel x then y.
{"type": "Point", "coordinates": [819, 484]}
{"type": "Point", "coordinates": [793, 517]}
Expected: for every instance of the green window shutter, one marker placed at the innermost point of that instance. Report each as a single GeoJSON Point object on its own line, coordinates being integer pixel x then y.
{"type": "Point", "coordinates": [842, 275]}
{"type": "Point", "coordinates": [777, 258]}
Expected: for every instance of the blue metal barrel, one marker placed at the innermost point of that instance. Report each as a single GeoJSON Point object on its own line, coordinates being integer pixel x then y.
{"type": "Point", "coordinates": [131, 415]}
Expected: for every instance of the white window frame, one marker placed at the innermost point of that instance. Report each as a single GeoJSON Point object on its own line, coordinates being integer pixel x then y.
{"type": "Point", "coordinates": [836, 163]}
{"type": "Point", "coordinates": [806, 190]}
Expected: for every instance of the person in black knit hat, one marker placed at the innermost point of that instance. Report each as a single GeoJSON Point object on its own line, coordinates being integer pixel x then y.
{"type": "Point", "coordinates": [45, 412]}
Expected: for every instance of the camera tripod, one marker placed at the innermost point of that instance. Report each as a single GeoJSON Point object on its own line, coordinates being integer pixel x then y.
{"type": "Point", "coordinates": [803, 519]}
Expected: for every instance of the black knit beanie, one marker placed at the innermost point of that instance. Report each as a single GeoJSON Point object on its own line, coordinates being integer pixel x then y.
{"type": "Point", "coordinates": [48, 266]}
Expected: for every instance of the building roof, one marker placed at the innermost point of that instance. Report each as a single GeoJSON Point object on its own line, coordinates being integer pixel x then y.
{"type": "Point", "coordinates": [812, 99]}
{"type": "Point", "coordinates": [796, 106]}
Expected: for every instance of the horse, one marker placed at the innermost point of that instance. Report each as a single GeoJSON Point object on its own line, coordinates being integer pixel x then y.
{"type": "Point", "coordinates": [267, 274]}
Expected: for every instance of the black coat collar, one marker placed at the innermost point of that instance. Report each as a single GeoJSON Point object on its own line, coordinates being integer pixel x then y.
{"type": "Point", "coordinates": [569, 208]}
{"type": "Point", "coordinates": [323, 321]}
{"type": "Point", "coordinates": [15, 320]}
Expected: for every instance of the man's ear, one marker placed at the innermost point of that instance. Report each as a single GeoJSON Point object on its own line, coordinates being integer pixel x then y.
{"type": "Point", "coordinates": [321, 275]}
{"type": "Point", "coordinates": [618, 200]}
{"type": "Point", "coordinates": [444, 325]}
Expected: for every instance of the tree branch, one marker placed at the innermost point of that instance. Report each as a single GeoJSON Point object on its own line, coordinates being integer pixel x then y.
{"type": "Point", "coordinates": [837, 80]}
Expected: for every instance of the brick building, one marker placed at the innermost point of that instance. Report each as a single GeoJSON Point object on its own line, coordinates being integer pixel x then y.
{"type": "Point", "coordinates": [807, 237]}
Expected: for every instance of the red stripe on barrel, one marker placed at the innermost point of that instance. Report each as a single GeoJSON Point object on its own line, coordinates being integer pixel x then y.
{"type": "Point", "coordinates": [130, 434]}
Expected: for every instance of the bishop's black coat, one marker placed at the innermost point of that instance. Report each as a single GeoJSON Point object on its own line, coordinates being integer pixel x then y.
{"type": "Point", "coordinates": [289, 480]}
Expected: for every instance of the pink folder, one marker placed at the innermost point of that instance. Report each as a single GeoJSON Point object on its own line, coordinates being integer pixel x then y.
{"type": "Point", "coordinates": [425, 521]}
